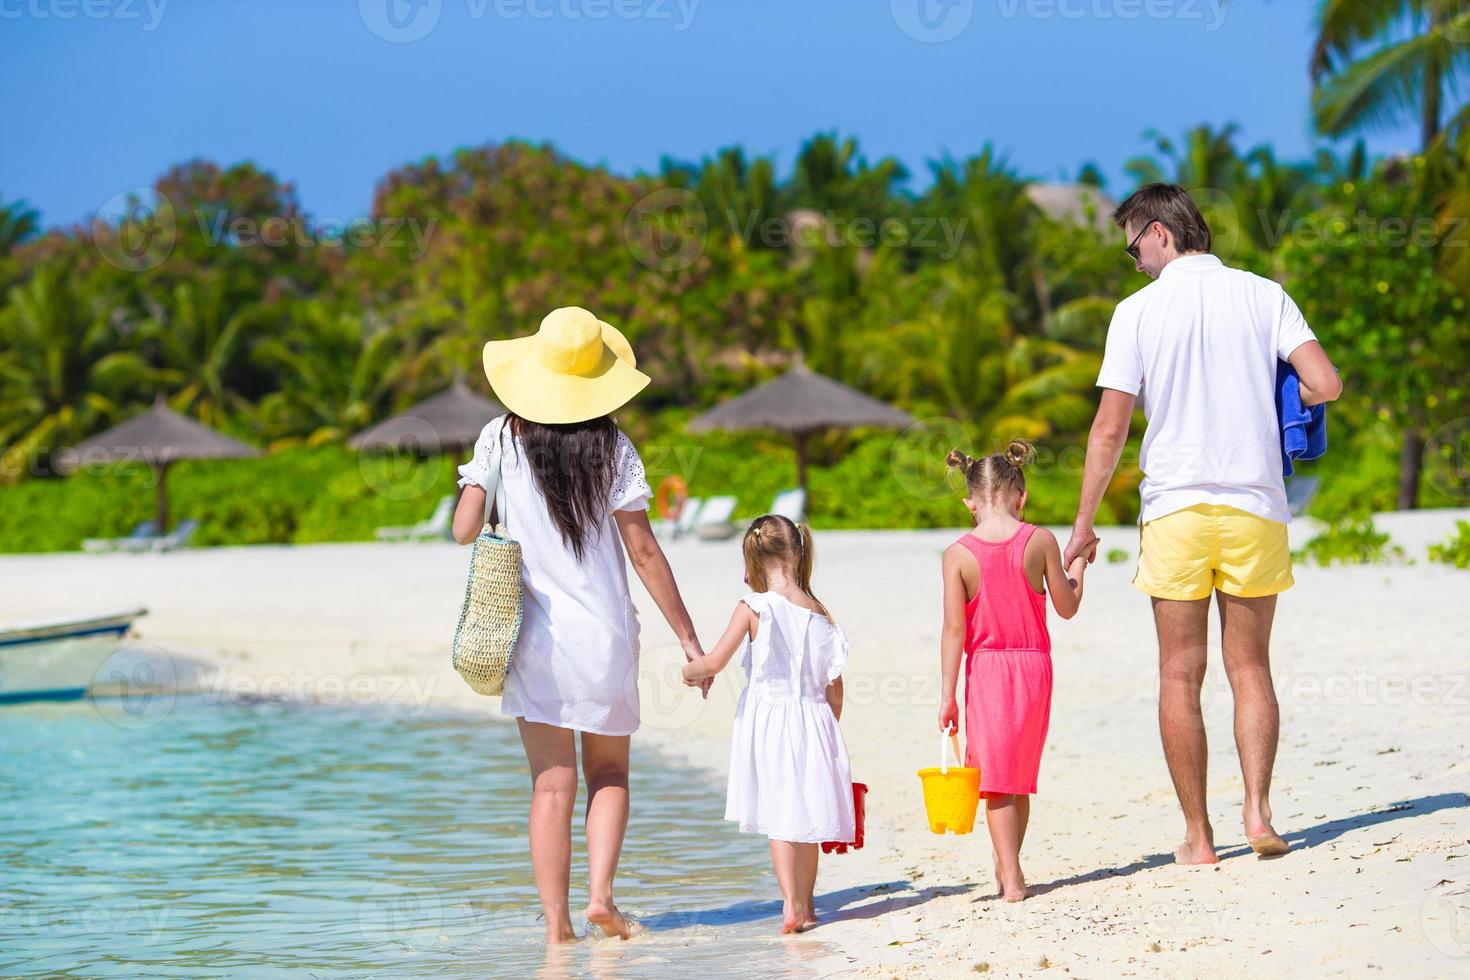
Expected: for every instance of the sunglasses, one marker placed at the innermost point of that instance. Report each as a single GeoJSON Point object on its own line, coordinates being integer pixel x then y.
{"type": "Point", "coordinates": [1132, 247]}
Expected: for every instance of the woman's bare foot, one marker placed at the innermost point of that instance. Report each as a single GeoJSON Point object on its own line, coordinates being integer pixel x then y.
{"type": "Point", "coordinates": [1196, 852]}
{"type": "Point", "coordinates": [795, 918]}
{"type": "Point", "coordinates": [605, 915]}
{"type": "Point", "coordinates": [564, 934]}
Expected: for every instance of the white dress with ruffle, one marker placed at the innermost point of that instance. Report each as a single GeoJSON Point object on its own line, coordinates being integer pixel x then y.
{"type": "Point", "coordinates": [576, 662]}
{"type": "Point", "coordinates": [790, 777]}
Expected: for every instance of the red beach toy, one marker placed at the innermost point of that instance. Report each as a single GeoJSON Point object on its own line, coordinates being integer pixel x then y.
{"type": "Point", "coordinates": [859, 790]}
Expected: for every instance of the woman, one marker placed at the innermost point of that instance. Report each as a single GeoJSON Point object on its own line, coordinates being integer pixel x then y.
{"type": "Point", "coordinates": [574, 486]}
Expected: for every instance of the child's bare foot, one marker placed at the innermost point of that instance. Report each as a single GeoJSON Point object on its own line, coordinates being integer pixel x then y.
{"type": "Point", "coordinates": [1196, 852]}
{"type": "Point", "coordinates": [605, 915]}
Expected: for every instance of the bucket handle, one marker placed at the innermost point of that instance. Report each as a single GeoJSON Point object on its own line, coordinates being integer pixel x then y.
{"type": "Point", "coordinates": [951, 739]}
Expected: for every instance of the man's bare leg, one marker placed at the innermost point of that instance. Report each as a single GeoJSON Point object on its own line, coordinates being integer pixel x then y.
{"type": "Point", "coordinates": [1245, 628]}
{"type": "Point", "coordinates": [1181, 626]}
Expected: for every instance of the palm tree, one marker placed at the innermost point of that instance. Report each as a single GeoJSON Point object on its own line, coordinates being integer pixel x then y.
{"type": "Point", "coordinates": [1422, 47]}
{"type": "Point", "coordinates": [336, 374]}
{"type": "Point", "coordinates": [198, 340]}
{"type": "Point", "coordinates": [62, 372]}
{"type": "Point", "coordinates": [18, 224]}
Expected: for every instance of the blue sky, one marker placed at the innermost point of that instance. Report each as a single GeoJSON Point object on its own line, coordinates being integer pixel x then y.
{"type": "Point", "coordinates": [103, 95]}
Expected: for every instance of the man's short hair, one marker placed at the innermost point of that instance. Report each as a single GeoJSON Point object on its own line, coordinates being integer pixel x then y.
{"type": "Point", "coordinates": [1172, 207]}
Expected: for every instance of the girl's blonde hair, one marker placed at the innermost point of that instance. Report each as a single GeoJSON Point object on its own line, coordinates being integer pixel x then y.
{"type": "Point", "coordinates": [989, 476]}
{"type": "Point", "coordinates": [773, 538]}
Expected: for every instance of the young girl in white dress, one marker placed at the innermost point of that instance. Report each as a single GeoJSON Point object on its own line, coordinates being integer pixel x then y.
{"type": "Point", "coordinates": [789, 773]}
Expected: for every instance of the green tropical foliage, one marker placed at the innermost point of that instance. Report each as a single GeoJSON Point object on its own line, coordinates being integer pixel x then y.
{"type": "Point", "coordinates": [963, 303]}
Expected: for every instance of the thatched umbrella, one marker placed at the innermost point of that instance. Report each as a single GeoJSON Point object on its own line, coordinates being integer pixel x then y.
{"type": "Point", "coordinates": [1081, 205]}
{"type": "Point", "coordinates": [801, 403]}
{"type": "Point", "coordinates": [448, 421]}
{"type": "Point", "coordinates": [159, 437]}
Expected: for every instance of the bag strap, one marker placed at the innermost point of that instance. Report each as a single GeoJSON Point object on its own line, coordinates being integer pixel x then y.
{"type": "Point", "coordinates": [495, 492]}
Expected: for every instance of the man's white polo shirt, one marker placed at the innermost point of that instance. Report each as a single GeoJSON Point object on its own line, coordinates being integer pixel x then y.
{"type": "Point", "coordinates": [1200, 346]}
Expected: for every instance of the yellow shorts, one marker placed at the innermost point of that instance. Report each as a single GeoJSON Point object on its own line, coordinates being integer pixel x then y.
{"type": "Point", "coordinates": [1187, 554]}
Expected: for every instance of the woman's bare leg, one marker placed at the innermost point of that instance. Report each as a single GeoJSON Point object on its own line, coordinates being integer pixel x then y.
{"type": "Point", "coordinates": [605, 767]}
{"type": "Point", "coordinates": [552, 755]}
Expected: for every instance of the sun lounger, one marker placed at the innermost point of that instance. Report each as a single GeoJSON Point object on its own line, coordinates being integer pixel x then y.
{"type": "Point", "coordinates": [437, 526]}
{"type": "Point", "coordinates": [177, 538]}
{"type": "Point", "coordinates": [714, 522]}
{"type": "Point", "coordinates": [1299, 492]}
{"type": "Point", "coordinates": [143, 532]}
{"type": "Point", "coordinates": [681, 524]}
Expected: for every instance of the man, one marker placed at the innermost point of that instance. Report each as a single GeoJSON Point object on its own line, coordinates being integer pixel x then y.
{"type": "Point", "coordinates": [1200, 346]}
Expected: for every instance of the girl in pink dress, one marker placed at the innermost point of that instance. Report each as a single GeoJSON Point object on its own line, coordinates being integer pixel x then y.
{"type": "Point", "coordinates": [995, 582]}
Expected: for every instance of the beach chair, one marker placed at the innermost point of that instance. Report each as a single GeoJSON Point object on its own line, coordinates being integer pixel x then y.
{"type": "Point", "coordinates": [177, 538]}
{"type": "Point", "coordinates": [790, 504]}
{"type": "Point", "coordinates": [437, 526]}
{"type": "Point", "coordinates": [1299, 493]}
{"type": "Point", "coordinates": [715, 519]}
{"type": "Point", "coordinates": [143, 532]}
{"type": "Point", "coordinates": [681, 524]}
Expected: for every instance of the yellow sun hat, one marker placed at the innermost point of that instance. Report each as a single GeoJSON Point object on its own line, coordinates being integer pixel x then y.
{"type": "Point", "coordinates": [574, 368]}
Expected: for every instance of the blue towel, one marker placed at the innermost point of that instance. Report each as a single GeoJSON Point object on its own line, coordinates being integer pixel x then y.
{"type": "Point", "coordinates": [1303, 430]}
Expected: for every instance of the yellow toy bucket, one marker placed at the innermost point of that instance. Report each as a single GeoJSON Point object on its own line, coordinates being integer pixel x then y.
{"type": "Point", "coordinates": [951, 793]}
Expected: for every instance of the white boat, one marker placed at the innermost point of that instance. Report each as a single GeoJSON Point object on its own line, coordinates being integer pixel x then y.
{"type": "Point", "coordinates": [56, 660]}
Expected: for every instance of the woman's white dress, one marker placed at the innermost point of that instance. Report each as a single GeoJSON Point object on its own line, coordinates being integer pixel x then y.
{"type": "Point", "coordinates": [576, 663]}
{"type": "Point", "coordinates": [790, 777]}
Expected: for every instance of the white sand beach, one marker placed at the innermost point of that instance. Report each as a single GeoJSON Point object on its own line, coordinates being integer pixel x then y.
{"type": "Point", "coordinates": [1371, 781]}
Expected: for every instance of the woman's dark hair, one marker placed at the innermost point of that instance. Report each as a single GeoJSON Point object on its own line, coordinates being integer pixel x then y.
{"type": "Point", "coordinates": [1171, 206]}
{"type": "Point", "coordinates": [573, 465]}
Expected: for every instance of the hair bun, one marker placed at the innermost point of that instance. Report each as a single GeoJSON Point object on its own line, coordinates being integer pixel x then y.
{"type": "Point", "coordinates": [1019, 452]}
{"type": "Point", "coordinates": [958, 460]}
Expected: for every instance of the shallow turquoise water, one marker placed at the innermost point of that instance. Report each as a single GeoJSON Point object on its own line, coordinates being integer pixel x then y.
{"type": "Point", "coordinates": [274, 839]}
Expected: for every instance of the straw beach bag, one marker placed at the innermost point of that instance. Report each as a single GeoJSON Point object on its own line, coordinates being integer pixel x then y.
{"type": "Point", "coordinates": [490, 619]}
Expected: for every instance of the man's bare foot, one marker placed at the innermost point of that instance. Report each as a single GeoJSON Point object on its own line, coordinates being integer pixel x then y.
{"type": "Point", "coordinates": [605, 915]}
{"type": "Point", "coordinates": [1196, 852]}
{"type": "Point", "coordinates": [1270, 844]}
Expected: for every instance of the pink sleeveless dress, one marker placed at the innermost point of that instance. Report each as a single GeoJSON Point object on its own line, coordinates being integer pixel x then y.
{"type": "Point", "coordinates": [1007, 668]}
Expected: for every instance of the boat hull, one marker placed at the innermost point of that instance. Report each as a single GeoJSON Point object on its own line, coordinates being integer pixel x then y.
{"type": "Point", "coordinates": [57, 661]}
